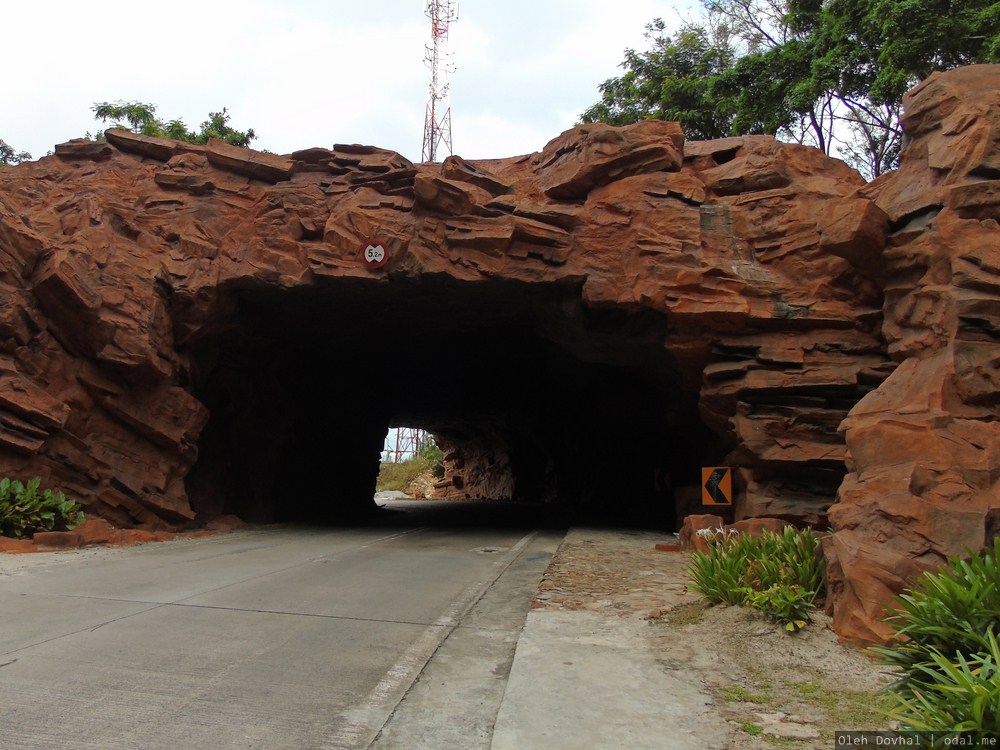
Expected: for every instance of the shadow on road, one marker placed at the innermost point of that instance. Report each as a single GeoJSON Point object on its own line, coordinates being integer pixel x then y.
{"type": "Point", "coordinates": [489, 514]}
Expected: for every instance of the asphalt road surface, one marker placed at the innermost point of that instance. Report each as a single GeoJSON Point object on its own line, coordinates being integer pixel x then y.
{"type": "Point", "coordinates": [399, 633]}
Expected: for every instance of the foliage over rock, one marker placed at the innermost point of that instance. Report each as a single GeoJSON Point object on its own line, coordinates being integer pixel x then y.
{"type": "Point", "coordinates": [24, 509]}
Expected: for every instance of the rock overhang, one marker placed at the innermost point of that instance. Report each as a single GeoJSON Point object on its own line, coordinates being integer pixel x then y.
{"type": "Point", "coordinates": [739, 301]}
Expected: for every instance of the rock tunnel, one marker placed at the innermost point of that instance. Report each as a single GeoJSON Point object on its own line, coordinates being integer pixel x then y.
{"type": "Point", "coordinates": [191, 330]}
{"type": "Point", "coordinates": [582, 409]}
{"type": "Point", "coordinates": [586, 327]}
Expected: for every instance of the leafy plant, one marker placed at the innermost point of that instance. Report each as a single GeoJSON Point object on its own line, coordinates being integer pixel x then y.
{"type": "Point", "coordinates": [720, 575]}
{"type": "Point", "coordinates": [140, 117]}
{"type": "Point", "coordinates": [952, 612]}
{"type": "Point", "coordinates": [960, 694]}
{"type": "Point", "coordinates": [10, 157]}
{"type": "Point", "coordinates": [24, 509]}
{"type": "Point", "coordinates": [433, 455]}
{"type": "Point", "coordinates": [789, 604]}
{"type": "Point", "coordinates": [828, 74]}
{"type": "Point", "coordinates": [779, 574]}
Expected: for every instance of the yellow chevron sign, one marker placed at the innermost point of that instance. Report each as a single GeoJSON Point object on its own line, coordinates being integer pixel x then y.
{"type": "Point", "coordinates": [716, 485]}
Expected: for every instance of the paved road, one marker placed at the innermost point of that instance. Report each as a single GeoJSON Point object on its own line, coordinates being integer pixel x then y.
{"type": "Point", "coordinates": [280, 638]}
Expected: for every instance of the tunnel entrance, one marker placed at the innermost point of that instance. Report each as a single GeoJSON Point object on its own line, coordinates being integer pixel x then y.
{"type": "Point", "coordinates": [533, 396]}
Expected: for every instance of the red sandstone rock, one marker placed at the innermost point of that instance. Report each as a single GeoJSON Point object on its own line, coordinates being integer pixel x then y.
{"type": "Point", "coordinates": [691, 540]}
{"type": "Point", "coordinates": [597, 154]}
{"type": "Point", "coordinates": [757, 526]}
{"type": "Point", "coordinates": [762, 281]}
{"type": "Point", "coordinates": [925, 446]}
{"type": "Point", "coordinates": [477, 470]}
{"type": "Point", "coordinates": [7, 544]}
{"type": "Point", "coordinates": [94, 531]}
{"type": "Point", "coordinates": [57, 539]}
{"type": "Point", "coordinates": [254, 164]}
{"type": "Point", "coordinates": [161, 149]}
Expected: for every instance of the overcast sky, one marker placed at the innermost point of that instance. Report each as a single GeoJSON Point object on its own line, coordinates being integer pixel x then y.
{"type": "Point", "coordinates": [310, 73]}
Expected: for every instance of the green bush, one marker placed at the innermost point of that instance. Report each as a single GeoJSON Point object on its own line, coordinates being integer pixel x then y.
{"type": "Point", "coordinates": [947, 619]}
{"type": "Point", "coordinates": [780, 574]}
{"type": "Point", "coordinates": [960, 694]}
{"type": "Point", "coordinates": [24, 510]}
{"type": "Point", "coordinates": [432, 454]}
{"type": "Point", "coordinates": [720, 575]}
{"type": "Point", "coordinates": [788, 603]}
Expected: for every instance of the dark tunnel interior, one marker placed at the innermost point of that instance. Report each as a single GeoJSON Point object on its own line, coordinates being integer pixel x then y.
{"type": "Point", "coordinates": [303, 384]}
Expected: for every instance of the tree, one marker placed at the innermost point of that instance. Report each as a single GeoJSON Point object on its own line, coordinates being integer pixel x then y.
{"type": "Point", "coordinates": [217, 126]}
{"type": "Point", "coordinates": [9, 157]}
{"type": "Point", "coordinates": [140, 117]}
{"type": "Point", "coordinates": [922, 36]}
{"type": "Point", "coordinates": [772, 80]}
{"type": "Point", "coordinates": [671, 81]}
{"type": "Point", "coordinates": [830, 74]}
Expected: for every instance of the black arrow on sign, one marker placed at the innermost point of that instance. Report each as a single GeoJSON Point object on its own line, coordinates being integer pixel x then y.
{"type": "Point", "coordinates": [712, 485]}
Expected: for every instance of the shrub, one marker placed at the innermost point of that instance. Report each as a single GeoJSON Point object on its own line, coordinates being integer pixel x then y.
{"type": "Point", "coordinates": [960, 694]}
{"type": "Point", "coordinates": [24, 510]}
{"type": "Point", "coordinates": [788, 603]}
{"type": "Point", "coordinates": [720, 575]}
{"type": "Point", "coordinates": [432, 454]}
{"type": "Point", "coordinates": [779, 574]}
{"type": "Point", "coordinates": [950, 612]}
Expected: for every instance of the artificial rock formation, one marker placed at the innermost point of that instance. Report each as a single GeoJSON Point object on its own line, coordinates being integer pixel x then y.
{"type": "Point", "coordinates": [924, 448]}
{"type": "Point", "coordinates": [187, 331]}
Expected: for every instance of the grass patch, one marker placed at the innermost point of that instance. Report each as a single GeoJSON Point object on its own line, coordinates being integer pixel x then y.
{"type": "Point", "coordinates": [776, 741]}
{"type": "Point", "coordinates": [398, 476]}
{"type": "Point", "coordinates": [750, 728]}
{"type": "Point", "coordinates": [737, 694]}
{"type": "Point", "coordinates": [686, 614]}
{"type": "Point", "coordinates": [846, 708]}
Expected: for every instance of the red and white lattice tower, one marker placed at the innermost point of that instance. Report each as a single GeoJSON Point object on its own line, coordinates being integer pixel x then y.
{"type": "Point", "coordinates": [437, 121]}
{"type": "Point", "coordinates": [402, 444]}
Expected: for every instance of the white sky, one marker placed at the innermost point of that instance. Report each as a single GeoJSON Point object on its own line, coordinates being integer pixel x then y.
{"type": "Point", "coordinates": [309, 73]}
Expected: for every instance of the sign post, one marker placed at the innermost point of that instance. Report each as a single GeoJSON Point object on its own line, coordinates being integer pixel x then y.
{"type": "Point", "coordinates": [716, 485]}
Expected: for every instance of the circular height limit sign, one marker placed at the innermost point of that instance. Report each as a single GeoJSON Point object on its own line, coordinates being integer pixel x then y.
{"type": "Point", "coordinates": [374, 254]}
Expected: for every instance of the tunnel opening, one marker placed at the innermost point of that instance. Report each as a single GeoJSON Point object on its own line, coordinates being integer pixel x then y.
{"type": "Point", "coordinates": [533, 396]}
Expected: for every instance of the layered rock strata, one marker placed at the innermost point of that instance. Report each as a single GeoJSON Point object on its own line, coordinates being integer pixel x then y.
{"type": "Point", "coordinates": [188, 330]}
{"type": "Point", "coordinates": [924, 447]}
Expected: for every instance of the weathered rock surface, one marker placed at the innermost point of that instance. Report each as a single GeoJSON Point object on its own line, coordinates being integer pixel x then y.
{"type": "Point", "coordinates": [187, 331]}
{"type": "Point", "coordinates": [924, 447]}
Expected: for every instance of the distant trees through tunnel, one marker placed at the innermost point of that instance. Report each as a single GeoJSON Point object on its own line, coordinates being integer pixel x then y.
{"type": "Point", "coordinates": [532, 397]}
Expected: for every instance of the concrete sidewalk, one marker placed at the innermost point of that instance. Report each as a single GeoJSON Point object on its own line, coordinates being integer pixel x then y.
{"type": "Point", "coordinates": [586, 674]}
{"type": "Point", "coordinates": [586, 681]}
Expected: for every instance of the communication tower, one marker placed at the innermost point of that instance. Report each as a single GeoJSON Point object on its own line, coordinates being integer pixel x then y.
{"type": "Point", "coordinates": [402, 443]}
{"type": "Point", "coordinates": [437, 121]}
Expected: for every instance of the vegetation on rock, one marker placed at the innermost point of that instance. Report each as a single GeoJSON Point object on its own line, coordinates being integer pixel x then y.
{"type": "Point", "coordinates": [947, 651]}
{"type": "Point", "coordinates": [10, 157]}
{"type": "Point", "coordinates": [25, 509]}
{"type": "Point", "coordinates": [828, 74]}
{"type": "Point", "coordinates": [399, 476]}
{"type": "Point", "coordinates": [140, 117]}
